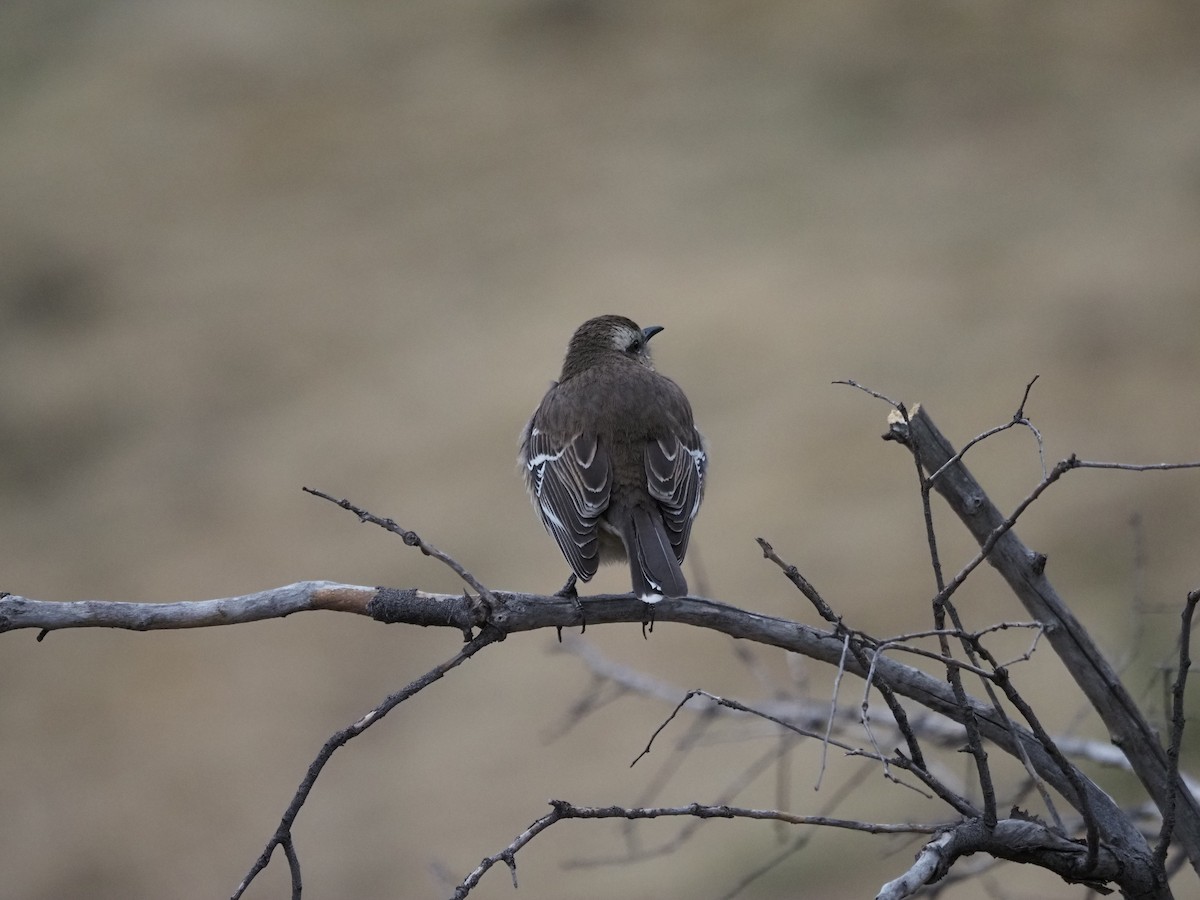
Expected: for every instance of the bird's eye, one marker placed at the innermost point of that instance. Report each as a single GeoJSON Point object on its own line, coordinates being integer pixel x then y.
{"type": "Point", "coordinates": [635, 346]}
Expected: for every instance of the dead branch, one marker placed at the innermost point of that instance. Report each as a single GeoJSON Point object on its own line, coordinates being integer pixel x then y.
{"type": "Point", "coordinates": [561, 809]}
{"type": "Point", "coordinates": [1116, 850]}
{"type": "Point", "coordinates": [283, 834]}
{"type": "Point", "coordinates": [1018, 840]}
{"type": "Point", "coordinates": [1024, 570]}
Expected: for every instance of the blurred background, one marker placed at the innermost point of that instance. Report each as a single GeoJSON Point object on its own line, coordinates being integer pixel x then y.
{"type": "Point", "coordinates": [250, 246]}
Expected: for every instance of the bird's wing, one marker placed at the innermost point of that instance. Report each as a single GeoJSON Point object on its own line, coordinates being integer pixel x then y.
{"type": "Point", "coordinates": [570, 482]}
{"type": "Point", "coordinates": [675, 466]}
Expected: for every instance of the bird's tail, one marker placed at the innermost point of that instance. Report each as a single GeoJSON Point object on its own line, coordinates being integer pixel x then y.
{"type": "Point", "coordinates": [655, 570]}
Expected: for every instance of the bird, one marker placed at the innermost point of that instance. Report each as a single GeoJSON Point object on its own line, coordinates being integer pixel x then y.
{"type": "Point", "coordinates": [613, 461]}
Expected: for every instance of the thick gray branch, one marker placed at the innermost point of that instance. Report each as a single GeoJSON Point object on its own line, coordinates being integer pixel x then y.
{"type": "Point", "coordinates": [21, 612]}
{"type": "Point", "coordinates": [1023, 569]}
{"type": "Point", "coordinates": [515, 612]}
{"type": "Point", "coordinates": [1018, 840]}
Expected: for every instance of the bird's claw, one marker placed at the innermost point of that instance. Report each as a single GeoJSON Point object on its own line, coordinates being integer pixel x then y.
{"type": "Point", "coordinates": [568, 592]}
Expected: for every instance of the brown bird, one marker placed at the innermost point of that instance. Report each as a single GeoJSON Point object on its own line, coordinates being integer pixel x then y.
{"type": "Point", "coordinates": [613, 462]}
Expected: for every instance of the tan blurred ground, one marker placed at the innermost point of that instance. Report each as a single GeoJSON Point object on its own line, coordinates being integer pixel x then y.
{"type": "Point", "coordinates": [249, 246]}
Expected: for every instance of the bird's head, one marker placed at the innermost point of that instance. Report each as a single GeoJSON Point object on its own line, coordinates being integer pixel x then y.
{"type": "Point", "coordinates": [607, 338]}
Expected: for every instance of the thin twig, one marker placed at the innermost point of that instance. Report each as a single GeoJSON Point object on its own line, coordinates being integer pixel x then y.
{"type": "Point", "coordinates": [1178, 718]}
{"type": "Point", "coordinates": [635, 853]}
{"type": "Point", "coordinates": [857, 647]}
{"type": "Point", "coordinates": [412, 539]}
{"type": "Point", "coordinates": [283, 834]}
{"type": "Point", "coordinates": [1132, 467]}
{"type": "Point", "coordinates": [894, 404]}
{"type": "Point", "coordinates": [1018, 418]}
{"type": "Point", "coordinates": [561, 809]}
{"type": "Point", "coordinates": [833, 697]}
{"type": "Point", "coordinates": [942, 606]}
{"type": "Point", "coordinates": [740, 707]}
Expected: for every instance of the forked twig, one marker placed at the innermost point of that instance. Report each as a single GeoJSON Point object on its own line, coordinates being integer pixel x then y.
{"type": "Point", "coordinates": [283, 834]}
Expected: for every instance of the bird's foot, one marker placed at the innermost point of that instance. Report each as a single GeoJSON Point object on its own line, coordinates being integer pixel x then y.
{"type": "Point", "coordinates": [568, 592]}
{"type": "Point", "coordinates": [648, 621]}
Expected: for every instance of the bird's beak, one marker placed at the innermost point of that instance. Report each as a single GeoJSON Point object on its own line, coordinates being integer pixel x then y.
{"type": "Point", "coordinates": [650, 331]}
